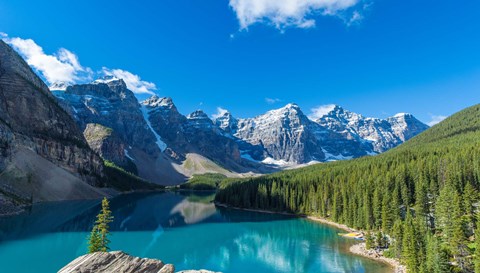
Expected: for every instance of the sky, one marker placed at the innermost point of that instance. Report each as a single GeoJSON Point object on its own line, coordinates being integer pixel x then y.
{"type": "Point", "coordinates": [373, 57]}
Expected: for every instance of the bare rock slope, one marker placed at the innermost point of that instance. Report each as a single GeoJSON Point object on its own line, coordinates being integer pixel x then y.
{"type": "Point", "coordinates": [43, 154]}
{"type": "Point", "coordinates": [119, 262]}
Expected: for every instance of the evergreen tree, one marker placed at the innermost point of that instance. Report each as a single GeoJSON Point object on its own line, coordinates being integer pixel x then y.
{"type": "Point", "coordinates": [476, 260]}
{"type": "Point", "coordinates": [94, 240]}
{"type": "Point", "coordinates": [410, 248]}
{"type": "Point", "coordinates": [98, 240]}
{"type": "Point", "coordinates": [396, 193]}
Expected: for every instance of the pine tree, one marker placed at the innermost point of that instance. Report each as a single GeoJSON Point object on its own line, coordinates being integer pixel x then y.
{"type": "Point", "coordinates": [98, 239]}
{"type": "Point", "coordinates": [368, 240]}
{"type": "Point", "coordinates": [397, 234]}
{"type": "Point", "coordinates": [410, 247]}
{"type": "Point", "coordinates": [476, 259]}
{"type": "Point", "coordinates": [94, 240]}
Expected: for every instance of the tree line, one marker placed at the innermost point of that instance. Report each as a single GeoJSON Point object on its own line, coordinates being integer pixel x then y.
{"type": "Point", "coordinates": [419, 201]}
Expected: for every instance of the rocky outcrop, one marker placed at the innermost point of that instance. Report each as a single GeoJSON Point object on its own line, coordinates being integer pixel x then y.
{"type": "Point", "coordinates": [110, 103]}
{"type": "Point", "coordinates": [35, 132]}
{"type": "Point", "coordinates": [115, 262]}
{"type": "Point", "coordinates": [106, 143]}
{"type": "Point", "coordinates": [195, 133]}
{"type": "Point", "coordinates": [119, 262]}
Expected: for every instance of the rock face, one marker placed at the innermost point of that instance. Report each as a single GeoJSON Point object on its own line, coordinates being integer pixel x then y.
{"type": "Point", "coordinates": [287, 135]}
{"type": "Point", "coordinates": [195, 133]}
{"type": "Point", "coordinates": [383, 134]}
{"type": "Point", "coordinates": [106, 143]}
{"type": "Point", "coordinates": [108, 102]}
{"type": "Point", "coordinates": [119, 262]}
{"type": "Point", "coordinates": [42, 151]}
{"type": "Point", "coordinates": [115, 262]}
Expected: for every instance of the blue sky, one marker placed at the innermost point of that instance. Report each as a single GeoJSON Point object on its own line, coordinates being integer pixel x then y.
{"type": "Point", "coordinates": [375, 57]}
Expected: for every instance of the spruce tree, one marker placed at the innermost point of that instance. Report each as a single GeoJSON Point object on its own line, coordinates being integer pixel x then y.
{"type": "Point", "coordinates": [94, 240]}
{"type": "Point", "coordinates": [410, 247]}
{"type": "Point", "coordinates": [476, 258]}
{"type": "Point", "coordinates": [98, 240]}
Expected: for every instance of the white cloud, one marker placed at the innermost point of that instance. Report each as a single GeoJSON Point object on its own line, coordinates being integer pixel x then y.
{"type": "Point", "coordinates": [272, 100]}
{"type": "Point", "coordinates": [355, 18]}
{"type": "Point", "coordinates": [133, 82]}
{"type": "Point", "coordinates": [287, 13]}
{"type": "Point", "coordinates": [435, 119]}
{"type": "Point", "coordinates": [62, 66]}
{"type": "Point", "coordinates": [3, 35]}
{"type": "Point", "coordinates": [320, 111]}
{"type": "Point", "coordinates": [220, 112]}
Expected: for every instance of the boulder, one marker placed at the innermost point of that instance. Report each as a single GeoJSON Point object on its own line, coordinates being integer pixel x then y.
{"type": "Point", "coordinates": [120, 262]}
{"type": "Point", "coordinates": [115, 262]}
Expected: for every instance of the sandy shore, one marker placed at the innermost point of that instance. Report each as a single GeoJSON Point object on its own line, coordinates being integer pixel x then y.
{"type": "Point", "coordinates": [357, 249]}
{"type": "Point", "coordinates": [330, 223]}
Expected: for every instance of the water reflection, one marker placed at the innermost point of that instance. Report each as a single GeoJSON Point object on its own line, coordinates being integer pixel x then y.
{"type": "Point", "coordinates": [180, 228]}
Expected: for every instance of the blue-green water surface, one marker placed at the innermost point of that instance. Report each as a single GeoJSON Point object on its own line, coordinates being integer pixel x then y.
{"type": "Point", "coordinates": [184, 229]}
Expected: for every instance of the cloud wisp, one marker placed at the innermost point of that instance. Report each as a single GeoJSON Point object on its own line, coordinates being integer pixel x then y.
{"type": "Point", "coordinates": [320, 111]}
{"type": "Point", "coordinates": [220, 112]}
{"type": "Point", "coordinates": [272, 100]}
{"type": "Point", "coordinates": [62, 66]}
{"type": "Point", "coordinates": [435, 119]}
{"type": "Point", "coordinates": [289, 13]}
{"type": "Point", "coordinates": [133, 81]}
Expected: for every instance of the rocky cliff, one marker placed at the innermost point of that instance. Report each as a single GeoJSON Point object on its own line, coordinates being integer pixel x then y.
{"type": "Point", "coordinates": [43, 154]}
{"type": "Point", "coordinates": [105, 142]}
{"type": "Point", "coordinates": [289, 137]}
{"type": "Point", "coordinates": [119, 262]}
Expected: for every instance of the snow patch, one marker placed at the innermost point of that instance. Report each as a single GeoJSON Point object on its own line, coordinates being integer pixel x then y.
{"type": "Point", "coordinates": [146, 116]}
{"type": "Point", "coordinates": [332, 157]}
{"type": "Point", "coordinates": [281, 162]}
{"type": "Point", "coordinates": [106, 79]}
{"type": "Point", "coordinates": [128, 155]}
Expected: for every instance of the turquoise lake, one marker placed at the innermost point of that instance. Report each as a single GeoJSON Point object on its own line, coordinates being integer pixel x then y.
{"type": "Point", "coordinates": [184, 229]}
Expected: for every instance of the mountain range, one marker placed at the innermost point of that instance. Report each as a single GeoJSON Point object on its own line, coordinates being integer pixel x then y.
{"type": "Point", "coordinates": [55, 142]}
{"type": "Point", "coordinates": [167, 147]}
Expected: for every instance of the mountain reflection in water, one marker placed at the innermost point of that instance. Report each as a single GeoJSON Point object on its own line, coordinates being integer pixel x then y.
{"type": "Point", "coordinates": [181, 228]}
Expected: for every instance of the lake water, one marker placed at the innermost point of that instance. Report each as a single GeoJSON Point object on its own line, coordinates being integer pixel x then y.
{"type": "Point", "coordinates": [184, 229]}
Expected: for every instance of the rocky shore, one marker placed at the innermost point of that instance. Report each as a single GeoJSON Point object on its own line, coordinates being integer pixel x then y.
{"type": "Point", "coordinates": [360, 249]}
{"type": "Point", "coordinates": [120, 262]}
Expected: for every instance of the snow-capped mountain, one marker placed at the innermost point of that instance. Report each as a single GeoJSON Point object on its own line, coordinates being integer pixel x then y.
{"type": "Point", "coordinates": [58, 86]}
{"type": "Point", "coordinates": [288, 134]}
{"type": "Point", "coordinates": [110, 103]}
{"type": "Point", "coordinates": [194, 133]}
{"type": "Point", "coordinates": [160, 141]}
{"type": "Point", "coordinates": [383, 134]}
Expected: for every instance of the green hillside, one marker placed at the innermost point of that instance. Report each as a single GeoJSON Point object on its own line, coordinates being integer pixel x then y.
{"type": "Point", "coordinates": [422, 195]}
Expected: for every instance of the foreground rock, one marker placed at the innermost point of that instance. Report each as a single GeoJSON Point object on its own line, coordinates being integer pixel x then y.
{"type": "Point", "coordinates": [119, 262]}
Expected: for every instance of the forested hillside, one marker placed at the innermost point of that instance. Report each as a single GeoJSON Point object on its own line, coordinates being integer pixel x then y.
{"type": "Point", "coordinates": [421, 197]}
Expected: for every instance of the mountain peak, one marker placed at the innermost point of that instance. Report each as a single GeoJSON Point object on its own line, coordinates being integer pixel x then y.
{"type": "Point", "coordinates": [58, 86]}
{"type": "Point", "coordinates": [400, 115]}
{"type": "Point", "coordinates": [155, 101]}
{"type": "Point", "coordinates": [106, 79]}
{"type": "Point", "coordinates": [291, 106]}
{"type": "Point", "coordinates": [198, 114]}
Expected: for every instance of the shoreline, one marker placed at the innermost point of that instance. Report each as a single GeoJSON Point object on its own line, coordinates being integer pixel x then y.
{"type": "Point", "coordinates": [360, 250]}
{"type": "Point", "coordinates": [356, 249]}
